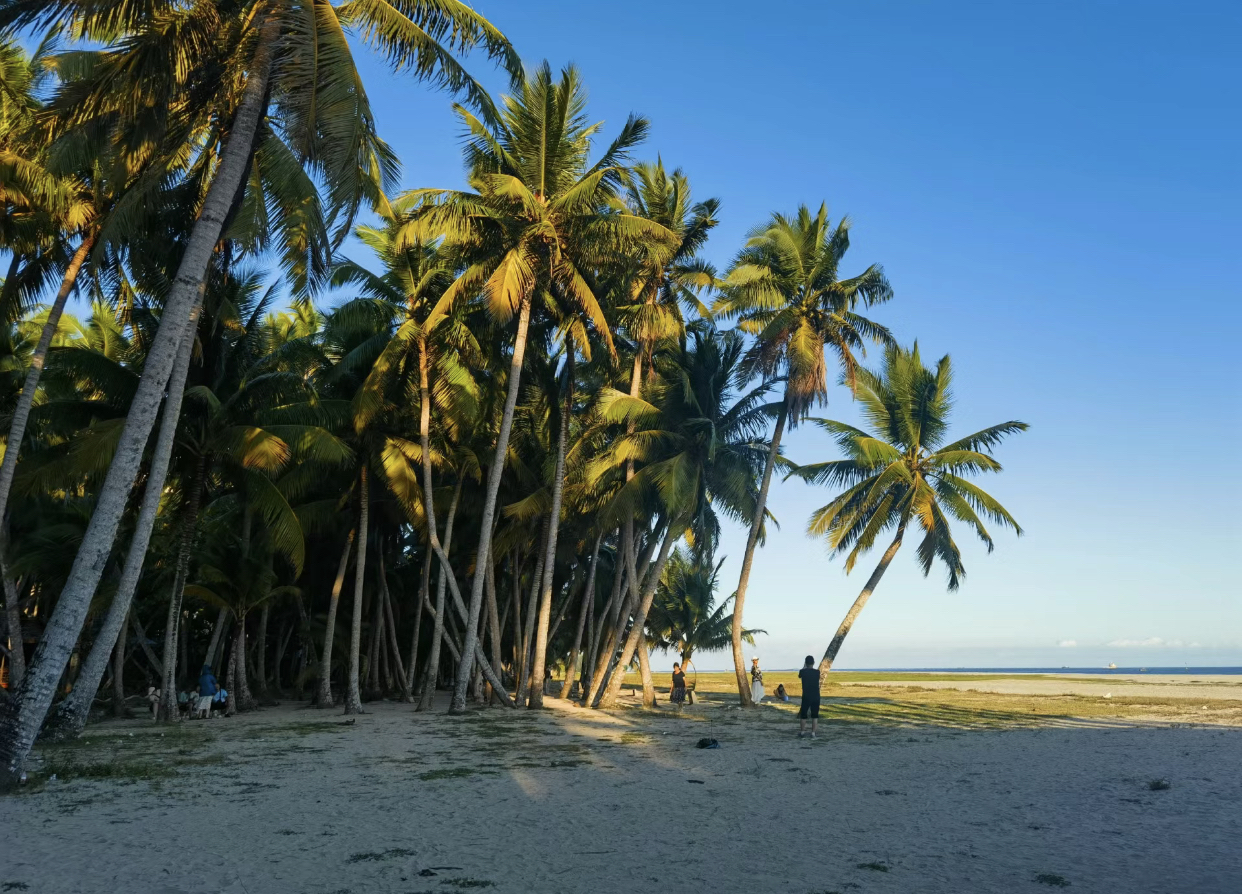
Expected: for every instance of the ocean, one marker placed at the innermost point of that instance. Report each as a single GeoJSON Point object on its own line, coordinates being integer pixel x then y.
{"type": "Point", "coordinates": [1051, 670]}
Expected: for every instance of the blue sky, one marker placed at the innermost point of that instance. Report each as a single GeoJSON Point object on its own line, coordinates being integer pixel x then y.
{"type": "Point", "coordinates": [1052, 189]}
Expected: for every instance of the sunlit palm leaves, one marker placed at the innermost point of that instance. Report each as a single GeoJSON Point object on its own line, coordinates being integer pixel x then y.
{"type": "Point", "coordinates": [902, 472]}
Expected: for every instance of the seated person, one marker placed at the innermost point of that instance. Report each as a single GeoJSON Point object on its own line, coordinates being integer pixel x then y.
{"type": "Point", "coordinates": [781, 694]}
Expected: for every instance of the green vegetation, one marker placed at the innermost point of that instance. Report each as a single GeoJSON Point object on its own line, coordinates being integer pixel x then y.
{"type": "Point", "coordinates": [504, 440]}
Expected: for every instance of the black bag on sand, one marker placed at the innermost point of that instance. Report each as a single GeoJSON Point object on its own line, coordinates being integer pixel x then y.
{"type": "Point", "coordinates": [707, 743]}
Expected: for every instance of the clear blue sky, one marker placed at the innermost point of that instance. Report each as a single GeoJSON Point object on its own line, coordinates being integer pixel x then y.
{"type": "Point", "coordinates": [1053, 191]}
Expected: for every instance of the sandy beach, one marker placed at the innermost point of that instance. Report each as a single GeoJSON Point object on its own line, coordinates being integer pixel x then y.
{"type": "Point", "coordinates": [902, 791]}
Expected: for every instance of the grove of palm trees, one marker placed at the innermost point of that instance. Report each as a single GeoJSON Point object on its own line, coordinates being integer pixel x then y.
{"type": "Point", "coordinates": [350, 446]}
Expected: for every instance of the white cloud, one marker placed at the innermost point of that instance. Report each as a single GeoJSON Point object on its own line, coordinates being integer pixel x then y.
{"type": "Point", "coordinates": [1067, 643]}
{"type": "Point", "coordinates": [1152, 642]}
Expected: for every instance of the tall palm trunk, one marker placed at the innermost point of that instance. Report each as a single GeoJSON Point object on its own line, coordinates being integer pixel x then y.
{"type": "Point", "coordinates": [21, 413]}
{"type": "Point", "coordinates": [245, 700]}
{"type": "Point", "coordinates": [402, 681]}
{"type": "Point", "coordinates": [493, 618]}
{"type": "Point", "coordinates": [830, 654]}
{"type": "Point", "coordinates": [168, 698]}
{"type": "Point", "coordinates": [13, 623]}
{"type": "Point", "coordinates": [118, 673]}
{"type": "Point", "coordinates": [606, 619]}
{"type": "Point", "coordinates": [432, 674]}
{"type": "Point", "coordinates": [70, 719]}
{"type": "Point", "coordinates": [549, 565]}
{"type": "Point", "coordinates": [213, 645]}
{"type": "Point", "coordinates": [23, 715]}
{"type": "Point", "coordinates": [353, 698]}
{"type": "Point", "coordinates": [633, 588]}
{"type": "Point", "coordinates": [532, 606]}
{"type": "Point", "coordinates": [588, 597]}
{"type": "Point", "coordinates": [617, 617]}
{"type": "Point", "coordinates": [260, 653]}
{"type": "Point", "coordinates": [748, 557]}
{"type": "Point", "coordinates": [470, 645]}
{"type": "Point", "coordinates": [637, 632]}
{"type": "Point", "coordinates": [324, 698]}
{"type": "Point", "coordinates": [644, 672]}
{"type": "Point", "coordinates": [424, 588]}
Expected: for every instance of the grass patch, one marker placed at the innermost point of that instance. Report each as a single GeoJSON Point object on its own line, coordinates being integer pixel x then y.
{"type": "Point", "coordinates": [454, 773]}
{"type": "Point", "coordinates": [300, 728]}
{"type": "Point", "coordinates": [377, 856]}
{"type": "Point", "coordinates": [1052, 880]}
{"type": "Point", "coordinates": [874, 867]}
{"type": "Point", "coordinates": [121, 771]}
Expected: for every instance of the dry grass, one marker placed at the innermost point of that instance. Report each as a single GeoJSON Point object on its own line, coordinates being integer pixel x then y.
{"type": "Point", "coordinates": [847, 701]}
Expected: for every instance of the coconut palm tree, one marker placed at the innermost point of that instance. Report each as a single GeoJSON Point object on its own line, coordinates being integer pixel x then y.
{"type": "Point", "coordinates": [784, 288]}
{"type": "Point", "coordinates": [662, 285]}
{"type": "Point", "coordinates": [900, 472]}
{"type": "Point", "coordinates": [266, 60]}
{"type": "Point", "coordinates": [684, 616]}
{"type": "Point", "coordinates": [536, 223]}
{"type": "Point", "coordinates": [697, 451]}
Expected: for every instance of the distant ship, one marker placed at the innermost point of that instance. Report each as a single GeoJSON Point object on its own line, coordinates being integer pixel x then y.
{"type": "Point", "coordinates": [1112, 666]}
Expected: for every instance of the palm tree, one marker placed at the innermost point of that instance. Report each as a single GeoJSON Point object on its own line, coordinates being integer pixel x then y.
{"type": "Point", "coordinates": [536, 223]}
{"type": "Point", "coordinates": [695, 445]}
{"type": "Point", "coordinates": [785, 289]}
{"type": "Point", "coordinates": [663, 284]}
{"type": "Point", "coordinates": [684, 616]}
{"type": "Point", "coordinates": [902, 471]}
{"type": "Point", "coordinates": [238, 574]}
{"type": "Point", "coordinates": [268, 62]}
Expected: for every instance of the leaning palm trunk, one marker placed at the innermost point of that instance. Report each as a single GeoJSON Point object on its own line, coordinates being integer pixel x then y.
{"type": "Point", "coordinates": [217, 631]}
{"type": "Point", "coordinates": [617, 618]}
{"type": "Point", "coordinates": [118, 673]}
{"type": "Point", "coordinates": [391, 628]}
{"type": "Point", "coordinates": [168, 699]}
{"type": "Point", "coordinates": [431, 677]}
{"type": "Point", "coordinates": [830, 654]}
{"type": "Point", "coordinates": [493, 617]}
{"type": "Point", "coordinates": [21, 413]}
{"type": "Point", "coordinates": [587, 598]}
{"type": "Point", "coordinates": [424, 587]}
{"type": "Point", "coordinates": [644, 671]}
{"type": "Point", "coordinates": [637, 630]}
{"type": "Point", "coordinates": [70, 719]}
{"type": "Point", "coordinates": [532, 606]}
{"type": "Point", "coordinates": [23, 715]}
{"type": "Point", "coordinates": [748, 557]}
{"type": "Point", "coordinates": [633, 587]}
{"type": "Point", "coordinates": [549, 562]}
{"type": "Point", "coordinates": [13, 622]}
{"type": "Point", "coordinates": [353, 699]}
{"type": "Point", "coordinates": [470, 644]}
{"type": "Point", "coordinates": [324, 699]}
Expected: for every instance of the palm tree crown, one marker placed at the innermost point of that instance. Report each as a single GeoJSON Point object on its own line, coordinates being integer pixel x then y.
{"type": "Point", "coordinates": [784, 288]}
{"type": "Point", "coordinates": [902, 470]}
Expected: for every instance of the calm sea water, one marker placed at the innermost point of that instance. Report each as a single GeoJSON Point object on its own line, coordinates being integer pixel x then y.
{"type": "Point", "coordinates": [1055, 670]}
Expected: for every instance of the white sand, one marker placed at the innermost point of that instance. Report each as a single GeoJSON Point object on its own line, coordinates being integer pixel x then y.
{"type": "Point", "coordinates": [578, 801]}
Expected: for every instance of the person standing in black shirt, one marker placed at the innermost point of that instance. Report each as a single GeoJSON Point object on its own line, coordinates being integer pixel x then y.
{"type": "Point", "coordinates": [809, 675]}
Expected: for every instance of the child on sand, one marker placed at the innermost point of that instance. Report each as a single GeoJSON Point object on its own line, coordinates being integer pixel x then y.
{"type": "Point", "coordinates": [809, 676]}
